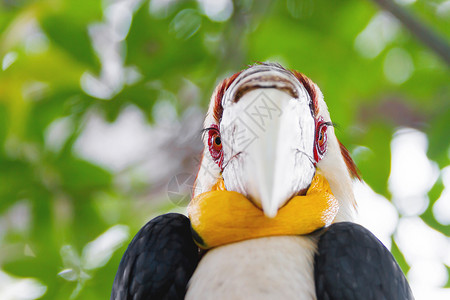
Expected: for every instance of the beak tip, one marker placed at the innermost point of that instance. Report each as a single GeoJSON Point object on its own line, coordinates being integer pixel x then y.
{"type": "Point", "coordinates": [270, 211]}
{"type": "Point", "coordinates": [270, 215]}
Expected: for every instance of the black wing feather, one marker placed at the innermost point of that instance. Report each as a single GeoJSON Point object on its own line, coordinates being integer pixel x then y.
{"type": "Point", "coordinates": [159, 261]}
{"type": "Point", "coordinates": [351, 263]}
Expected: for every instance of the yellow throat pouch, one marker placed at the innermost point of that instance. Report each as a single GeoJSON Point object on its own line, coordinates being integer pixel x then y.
{"type": "Point", "coordinates": [221, 217]}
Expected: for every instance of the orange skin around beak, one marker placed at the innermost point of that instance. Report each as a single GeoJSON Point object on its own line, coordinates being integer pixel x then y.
{"type": "Point", "coordinates": [221, 217]}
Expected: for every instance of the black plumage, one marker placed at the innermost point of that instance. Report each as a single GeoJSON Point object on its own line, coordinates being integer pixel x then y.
{"type": "Point", "coordinates": [351, 263]}
{"type": "Point", "coordinates": [159, 261]}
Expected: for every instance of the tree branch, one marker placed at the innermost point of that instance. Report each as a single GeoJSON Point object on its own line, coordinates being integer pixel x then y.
{"type": "Point", "coordinates": [420, 30]}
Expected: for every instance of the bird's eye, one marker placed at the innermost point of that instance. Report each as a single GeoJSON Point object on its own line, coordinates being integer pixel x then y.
{"type": "Point", "coordinates": [321, 140]}
{"type": "Point", "coordinates": [217, 142]}
{"type": "Point", "coordinates": [322, 135]}
{"type": "Point", "coordinates": [215, 145]}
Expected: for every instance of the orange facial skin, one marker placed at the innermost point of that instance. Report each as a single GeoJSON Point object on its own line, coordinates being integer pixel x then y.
{"type": "Point", "coordinates": [221, 217]}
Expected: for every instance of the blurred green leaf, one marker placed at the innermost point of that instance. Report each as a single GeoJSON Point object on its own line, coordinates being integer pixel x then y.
{"type": "Point", "coordinates": [140, 94]}
{"type": "Point", "coordinates": [12, 189]}
{"type": "Point", "coordinates": [447, 285]}
{"type": "Point", "coordinates": [399, 257]}
{"type": "Point", "coordinates": [376, 168]}
{"type": "Point", "coordinates": [439, 139]}
{"type": "Point", "coordinates": [72, 37]}
{"type": "Point", "coordinates": [56, 105]}
{"type": "Point", "coordinates": [428, 216]}
{"type": "Point", "coordinates": [82, 176]}
{"type": "Point", "coordinates": [3, 126]}
{"type": "Point", "coordinates": [83, 12]}
{"type": "Point", "coordinates": [158, 52]}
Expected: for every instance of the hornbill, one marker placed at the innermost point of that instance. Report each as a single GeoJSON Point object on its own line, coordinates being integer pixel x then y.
{"type": "Point", "coordinates": [271, 211]}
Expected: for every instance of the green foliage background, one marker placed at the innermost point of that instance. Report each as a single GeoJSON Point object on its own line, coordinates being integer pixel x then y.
{"type": "Point", "coordinates": [72, 201]}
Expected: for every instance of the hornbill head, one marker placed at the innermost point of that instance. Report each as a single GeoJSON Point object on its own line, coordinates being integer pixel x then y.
{"type": "Point", "coordinates": [267, 133]}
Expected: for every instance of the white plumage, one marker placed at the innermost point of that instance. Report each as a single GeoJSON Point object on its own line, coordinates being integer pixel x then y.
{"type": "Point", "coordinates": [264, 268]}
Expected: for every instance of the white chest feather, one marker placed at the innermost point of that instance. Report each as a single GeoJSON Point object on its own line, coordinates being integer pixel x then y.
{"type": "Point", "coordinates": [265, 268]}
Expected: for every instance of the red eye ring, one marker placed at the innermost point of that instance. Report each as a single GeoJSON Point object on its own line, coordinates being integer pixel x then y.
{"type": "Point", "coordinates": [320, 144]}
{"type": "Point", "coordinates": [215, 145]}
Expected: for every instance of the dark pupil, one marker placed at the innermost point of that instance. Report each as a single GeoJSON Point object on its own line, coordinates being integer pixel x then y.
{"type": "Point", "coordinates": [217, 140]}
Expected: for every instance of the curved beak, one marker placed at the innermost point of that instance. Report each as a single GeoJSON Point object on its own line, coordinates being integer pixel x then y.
{"type": "Point", "coordinates": [269, 153]}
